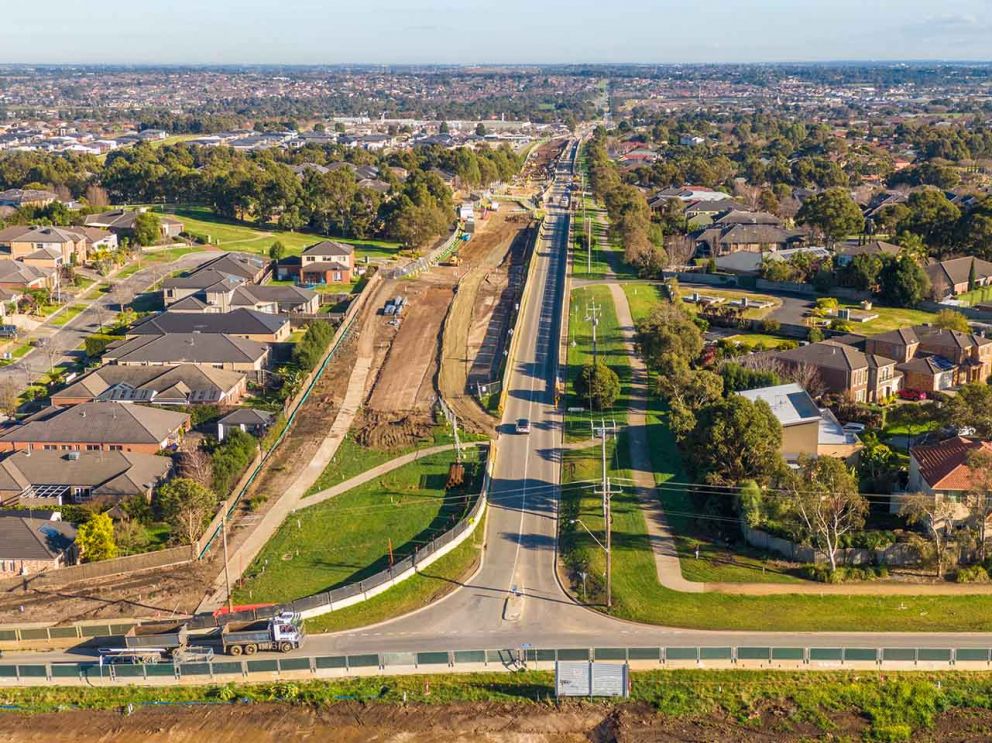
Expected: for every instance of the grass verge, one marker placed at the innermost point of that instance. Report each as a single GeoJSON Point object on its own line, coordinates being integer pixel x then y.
{"type": "Point", "coordinates": [349, 538]}
{"type": "Point", "coordinates": [435, 581]}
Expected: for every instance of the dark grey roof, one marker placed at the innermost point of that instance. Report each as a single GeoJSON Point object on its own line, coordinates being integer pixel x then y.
{"type": "Point", "coordinates": [98, 423]}
{"type": "Point", "coordinates": [329, 248]}
{"type": "Point", "coordinates": [242, 321]}
{"type": "Point", "coordinates": [145, 383]}
{"type": "Point", "coordinates": [247, 417]}
{"type": "Point", "coordinates": [90, 469]}
{"type": "Point", "coordinates": [33, 539]}
{"type": "Point", "coordinates": [186, 348]}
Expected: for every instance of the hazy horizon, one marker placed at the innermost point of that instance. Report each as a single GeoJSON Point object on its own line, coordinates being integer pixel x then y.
{"type": "Point", "coordinates": [421, 32]}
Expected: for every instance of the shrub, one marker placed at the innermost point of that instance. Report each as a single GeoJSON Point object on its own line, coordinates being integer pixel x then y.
{"type": "Point", "coordinates": [310, 350]}
{"type": "Point", "coordinates": [770, 326]}
{"type": "Point", "coordinates": [815, 335]}
{"type": "Point", "coordinates": [972, 574]}
{"type": "Point", "coordinates": [231, 458]}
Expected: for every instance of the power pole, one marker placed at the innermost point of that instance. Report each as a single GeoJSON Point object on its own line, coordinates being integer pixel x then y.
{"type": "Point", "coordinates": [592, 316]}
{"type": "Point", "coordinates": [227, 572]}
{"type": "Point", "coordinates": [604, 430]}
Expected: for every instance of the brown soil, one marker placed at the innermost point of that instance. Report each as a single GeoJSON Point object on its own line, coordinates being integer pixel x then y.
{"type": "Point", "coordinates": [475, 329]}
{"type": "Point", "coordinates": [539, 160]}
{"type": "Point", "coordinates": [351, 722]}
{"type": "Point", "coordinates": [387, 432]}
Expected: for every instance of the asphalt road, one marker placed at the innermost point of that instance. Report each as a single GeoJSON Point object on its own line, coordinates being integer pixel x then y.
{"type": "Point", "coordinates": [62, 343]}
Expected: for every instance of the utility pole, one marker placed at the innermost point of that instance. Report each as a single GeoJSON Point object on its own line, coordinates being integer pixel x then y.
{"type": "Point", "coordinates": [227, 572]}
{"type": "Point", "coordinates": [606, 490]}
{"type": "Point", "coordinates": [592, 316]}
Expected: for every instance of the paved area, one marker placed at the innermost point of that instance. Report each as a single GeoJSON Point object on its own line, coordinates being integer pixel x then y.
{"type": "Point", "coordinates": [63, 343]}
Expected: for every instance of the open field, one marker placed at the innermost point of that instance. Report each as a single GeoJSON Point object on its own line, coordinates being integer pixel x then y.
{"type": "Point", "coordinates": [664, 706]}
{"type": "Point", "coordinates": [357, 533]}
{"type": "Point", "coordinates": [251, 238]}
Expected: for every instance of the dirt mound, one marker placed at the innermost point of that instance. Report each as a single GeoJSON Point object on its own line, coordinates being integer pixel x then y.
{"type": "Point", "coordinates": [387, 433]}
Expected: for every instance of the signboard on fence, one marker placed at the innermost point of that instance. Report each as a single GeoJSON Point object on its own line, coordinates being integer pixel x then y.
{"type": "Point", "coordinates": [581, 678]}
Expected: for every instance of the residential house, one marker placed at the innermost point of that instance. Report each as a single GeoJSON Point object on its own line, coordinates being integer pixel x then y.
{"type": "Point", "coordinates": [742, 216]}
{"type": "Point", "coordinates": [262, 327]}
{"type": "Point", "coordinates": [806, 429]}
{"type": "Point", "coordinates": [848, 251]}
{"type": "Point", "coordinates": [34, 545]}
{"type": "Point", "coordinates": [21, 197]}
{"type": "Point", "coordinates": [213, 282]}
{"type": "Point", "coordinates": [942, 470]}
{"type": "Point", "coordinates": [185, 384]}
{"type": "Point", "coordinates": [19, 276]}
{"type": "Point", "coordinates": [865, 377]}
{"type": "Point", "coordinates": [934, 359]}
{"type": "Point", "coordinates": [48, 247]}
{"type": "Point", "coordinates": [701, 213]}
{"type": "Point", "coordinates": [121, 222]}
{"type": "Point", "coordinates": [31, 478]}
{"type": "Point", "coordinates": [173, 349]}
{"type": "Point", "coordinates": [720, 240]}
{"type": "Point", "coordinates": [249, 420]}
{"type": "Point", "coordinates": [327, 262]}
{"type": "Point", "coordinates": [954, 276]}
{"type": "Point", "coordinates": [269, 298]}
{"type": "Point", "coordinates": [250, 268]}
{"type": "Point", "coordinates": [97, 426]}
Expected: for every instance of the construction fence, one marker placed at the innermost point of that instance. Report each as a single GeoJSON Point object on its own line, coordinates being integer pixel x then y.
{"type": "Point", "coordinates": [512, 659]}
{"type": "Point", "coordinates": [434, 257]}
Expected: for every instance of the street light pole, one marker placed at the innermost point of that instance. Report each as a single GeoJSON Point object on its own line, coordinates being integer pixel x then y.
{"type": "Point", "coordinates": [607, 492]}
{"type": "Point", "coordinates": [227, 572]}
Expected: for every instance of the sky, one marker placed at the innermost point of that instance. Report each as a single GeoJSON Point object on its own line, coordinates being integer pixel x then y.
{"type": "Point", "coordinates": [504, 31]}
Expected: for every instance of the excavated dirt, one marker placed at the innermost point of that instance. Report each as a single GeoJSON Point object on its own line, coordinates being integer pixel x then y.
{"type": "Point", "coordinates": [352, 722]}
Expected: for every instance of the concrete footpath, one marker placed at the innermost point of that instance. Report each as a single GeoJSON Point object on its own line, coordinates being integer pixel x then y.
{"type": "Point", "coordinates": [289, 501]}
{"type": "Point", "coordinates": [660, 534]}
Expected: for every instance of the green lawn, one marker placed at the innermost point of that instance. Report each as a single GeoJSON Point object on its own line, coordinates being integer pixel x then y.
{"type": "Point", "coordinates": [889, 318]}
{"type": "Point", "coordinates": [347, 538]}
{"type": "Point", "coordinates": [67, 315]}
{"type": "Point", "coordinates": [611, 350]}
{"type": "Point", "coordinates": [750, 340]}
{"type": "Point", "coordinates": [353, 459]}
{"type": "Point", "coordinates": [642, 298]}
{"type": "Point", "coordinates": [252, 238]}
{"type": "Point", "coordinates": [429, 585]}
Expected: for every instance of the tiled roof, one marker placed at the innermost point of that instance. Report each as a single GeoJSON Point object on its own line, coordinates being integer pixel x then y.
{"type": "Point", "coordinates": [944, 466]}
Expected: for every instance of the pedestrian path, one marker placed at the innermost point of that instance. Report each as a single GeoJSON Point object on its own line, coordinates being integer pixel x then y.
{"type": "Point", "coordinates": [660, 534]}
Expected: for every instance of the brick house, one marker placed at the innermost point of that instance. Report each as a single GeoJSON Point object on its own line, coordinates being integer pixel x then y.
{"type": "Point", "coordinates": [865, 377]}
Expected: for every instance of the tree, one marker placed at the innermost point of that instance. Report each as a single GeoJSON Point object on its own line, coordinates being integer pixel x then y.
{"type": "Point", "coordinates": [903, 282]}
{"type": "Point", "coordinates": [687, 391]}
{"type": "Point", "coordinates": [96, 196]}
{"type": "Point", "coordinates": [863, 272]}
{"type": "Point", "coordinates": [186, 506]}
{"type": "Point", "coordinates": [833, 213]}
{"type": "Point", "coordinates": [951, 320]}
{"type": "Point", "coordinates": [444, 128]}
{"type": "Point", "coordinates": [824, 496]}
{"type": "Point", "coordinates": [737, 377]}
{"type": "Point", "coordinates": [735, 440]}
{"type": "Point", "coordinates": [10, 393]}
{"type": "Point", "coordinates": [95, 538]}
{"type": "Point", "coordinates": [599, 384]}
{"type": "Point", "coordinates": [193, 463]}
{"type": "Point", "coordinates": [935, 516]}
{"type": "Point", "coordinates": [480, 129]}
{"type": "Point", "coordinates": [978, 498]}
{"type": "Point", "coordinates": [972, 407]}
{"type": "Point", "coordinates": [147, 228]}
{"type": "Point", "coordinates": [277, 250]}
{"type": "Point", "coordinates": [668, 336]}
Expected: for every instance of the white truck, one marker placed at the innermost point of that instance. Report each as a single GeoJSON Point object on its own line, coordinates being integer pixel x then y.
{"type": "Point", "coordinates": [283, 632]}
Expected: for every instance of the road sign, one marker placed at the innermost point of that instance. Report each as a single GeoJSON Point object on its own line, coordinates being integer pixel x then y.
{"type": "Point", "coordinates": [580, 678]}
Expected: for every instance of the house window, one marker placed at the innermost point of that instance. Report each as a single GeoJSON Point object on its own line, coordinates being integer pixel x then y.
{"type": "Point", "coordinates": [50, 447]}
{"type": "Point", "coordinates": [116, 447]}
{"type": "Point", "coordinates": [92, 447]}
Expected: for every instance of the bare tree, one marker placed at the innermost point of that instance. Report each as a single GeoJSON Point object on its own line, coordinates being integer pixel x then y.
{"type": "Point", "coordinates": [747, 194]}
{"type": "Point", "coordinates": [978, 498]}
{"type": "Point", "coordinates": [195, 464]}
{"type": "Point", "coordinates": [806, 376]}
{"type": "Point", "coordinates": [824, 496]}
{"type": "Point", "coordinates": [63, 193]}
{"type": "Point", "coordinates": [9, 395]}
{"type": "Point", "coordinates": [97, 196]}
{"type": "Point", "coordinates": [680, 249]}
{"type": "Point", "coordinates": [936, 516]}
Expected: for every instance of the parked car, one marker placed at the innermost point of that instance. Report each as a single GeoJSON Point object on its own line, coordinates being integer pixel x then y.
{"type": "Point", "coordinates": [523, 425]}
{"type": "Point", "coordinates": [853, 427]}
{"type": "Point", "coordinates": [913, 394]}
